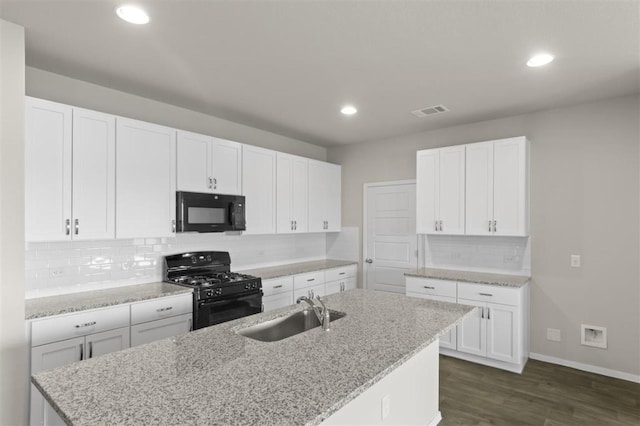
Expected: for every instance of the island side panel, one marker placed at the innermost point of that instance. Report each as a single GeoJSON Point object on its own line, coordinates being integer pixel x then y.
{"type": "Point", "coordinates": [411, 393]}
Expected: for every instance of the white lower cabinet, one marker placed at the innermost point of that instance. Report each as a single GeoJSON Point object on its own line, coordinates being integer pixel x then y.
{"type": "Point", "coordinates": [277, 293]}
{"type": "Point", "coordinates": [495, 334]}
{"type": "Point", "coordinates": [160, 329]}
{"type": "Point", "coordinates": [340, 279]}
{"type": "Point", "coordinates": [161, 318]}
{"type": "Point", "coordinates": [269, 303]}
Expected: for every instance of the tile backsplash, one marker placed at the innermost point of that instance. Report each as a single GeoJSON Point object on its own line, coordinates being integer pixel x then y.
{"type": "Point", "coordinates": [511, 255]}
{"type": "Point", "coordinates": [69, 267]}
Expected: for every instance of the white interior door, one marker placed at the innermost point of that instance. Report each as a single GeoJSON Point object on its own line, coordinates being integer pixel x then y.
{"type": "Point", "coordinates": [390, 235]}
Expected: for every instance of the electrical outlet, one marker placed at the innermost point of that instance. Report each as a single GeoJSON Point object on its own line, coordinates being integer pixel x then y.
{"type": "Point", "coordinates": [575, 260]}
{"type": "Point", "coordinates": [57, 273]}
{"type": "Point", "coordinates": [386, 406]}
{"type": "Point", "coordinates": [510, 258]}
{"type": "Point", "coordinates": [554, 335]}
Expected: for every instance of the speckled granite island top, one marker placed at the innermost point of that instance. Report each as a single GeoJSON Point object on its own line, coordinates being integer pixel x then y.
{"type": "Point", "coordinates": [470, 276]}
{"type": "Point", "coordinates": [297, 268]}
{"type": "Point", "coordinates": [214, 376]}
{"type": "Point", "coordinates": [75, 302]}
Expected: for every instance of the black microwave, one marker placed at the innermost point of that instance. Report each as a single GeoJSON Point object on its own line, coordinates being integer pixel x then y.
{"type": "Point", "coordinates": [200, 212]}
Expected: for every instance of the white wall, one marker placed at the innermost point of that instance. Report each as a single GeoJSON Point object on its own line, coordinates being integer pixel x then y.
{"type": "Point", "coordinates": [59, 88]}
{"type": "Point", "coordinates": [13, 353]}
{"type": "Point", "coordinates": [584, 200]}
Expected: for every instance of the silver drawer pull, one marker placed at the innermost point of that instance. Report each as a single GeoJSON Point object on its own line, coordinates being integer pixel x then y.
{"type": "Point", "coordinates": [485, 294]}
{"type": "Point", "coordinates": [342, 273]}
{"type": "Point", "coordinates": [430, 288]}
{"type": "Point", "coordinates": [168, 308]}
{"type": "Point", "coordinates": [311, 279]}
{"type": "Point", "coordinates": [277, 286]}
{"type": "Point", "coordinates": [86, 324]}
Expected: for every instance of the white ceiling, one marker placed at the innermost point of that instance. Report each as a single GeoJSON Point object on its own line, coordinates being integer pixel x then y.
{"type": "Point", "coordinates": [288, 66]}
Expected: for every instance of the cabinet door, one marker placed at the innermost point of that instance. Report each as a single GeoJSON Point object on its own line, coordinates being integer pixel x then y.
{"type": "Point", "coordinates": [259, 188]}
{"type": "Point", "coordinates": [276, 301]}
{"type": "Point", "coordinates": [193, 162]}
{"type": "Point", "coordinates": [300, 194]}
{"type": "Point", "coordinates": [94, 167]}
{"type": "Point", "coordinates": [333, 197]}
{"type": "Point", "coordinates": [284, 193]}
{"type": "Point", "coordinates": [452, 191]}
{"type": "Point", "coordinates": [160, 329]}
{"type": "Point", "coordinates": [45, 357]}
{"type": "Point", "coordinates": [427, 191]}
{"type": "Point", "coordinates": [479, 189]}
{"type": "Point", "coordinates": [226, 167]}
{"type": "Point", "coordinates": [145, 179]}
{"type": "Point", "coordinates": [333, 287]}
{"type": "Point", "coordinates": [510, 187]}
{"type": "Point", "coordinates": [48, 143]}
{"type": "Point", "coordinates": [317, 197]}
{"type": "Point", "coordinates": [349, 284]}
{"type": "Point", "coordinates": [502, 333]}
{"type": "Point", "coordinates": [472, 333]}
{"type": "Point", "coordinates": [106, 342]}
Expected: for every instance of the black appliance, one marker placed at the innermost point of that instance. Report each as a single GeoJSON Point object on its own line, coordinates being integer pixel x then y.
{"type": "Point", "coordinates": [200, 212]}
{"type": "Point", "coordinates": [219, 295]}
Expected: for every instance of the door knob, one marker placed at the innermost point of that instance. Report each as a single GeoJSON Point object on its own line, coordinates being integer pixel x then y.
{"type": "Point", "coordinates": [369, 260]}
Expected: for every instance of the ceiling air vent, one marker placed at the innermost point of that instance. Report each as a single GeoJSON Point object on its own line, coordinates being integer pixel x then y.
{"type": "Point", "coordinates": [430, 111]}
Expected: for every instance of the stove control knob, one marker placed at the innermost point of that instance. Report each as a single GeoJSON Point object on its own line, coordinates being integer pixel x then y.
{"type": "Point", "coordinates": [209, 293]}
{"type": "Point", "coordinates": [209, 258]}
{"type": "Point", "coordinates": [247, 286]}
{"type": "Point", "coordinates": [193, 259]}
{"type": "Point", "coordinates": [254, 285]}
{"type": "Point", "coordinates": [218, 291]}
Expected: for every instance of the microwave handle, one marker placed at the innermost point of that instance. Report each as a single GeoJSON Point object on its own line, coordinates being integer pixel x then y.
{"type": "Point", "coordinates": [232, 214]}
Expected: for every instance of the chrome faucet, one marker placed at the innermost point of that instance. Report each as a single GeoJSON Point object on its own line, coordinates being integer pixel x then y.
{"type": "Point", "coordinates": [321, 311]}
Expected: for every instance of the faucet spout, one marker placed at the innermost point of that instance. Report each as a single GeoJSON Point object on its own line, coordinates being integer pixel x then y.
{"type": "Point", "coordinates": [322, 312]}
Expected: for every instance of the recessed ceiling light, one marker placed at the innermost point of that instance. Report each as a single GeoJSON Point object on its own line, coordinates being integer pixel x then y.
{"type": "Point", "coordinates": [348, 110]}
{"type": "Point", "coordinates": [133, 14]}
{"type": "Point", "coordinates": [540, 60]}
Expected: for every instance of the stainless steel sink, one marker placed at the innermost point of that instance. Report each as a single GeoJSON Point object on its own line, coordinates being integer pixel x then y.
{"type": "Point", "coordinates": [281, 328]}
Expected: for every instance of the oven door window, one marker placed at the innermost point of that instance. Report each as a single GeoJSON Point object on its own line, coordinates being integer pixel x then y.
{"type": "Point", "coordinates": [210, 313]}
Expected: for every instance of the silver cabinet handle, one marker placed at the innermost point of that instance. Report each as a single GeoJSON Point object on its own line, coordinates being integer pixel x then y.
{"type": "Point", "coordinates": [86, 324]}
{"type": "Point", "coordinates": [68, 225]}
{"type": "Point", "coordinates": [482, 314]}
{"type": "Point", "coordinates": [210, 183]}
{"type": "Point", "coordinates": [311, 279]}
{"type": "Point", "coordinates": [369, 260]}
{"type": "Point", "coordinates": [488, 313]}
{"type": "Point", "coordinates": [486, 294]}
{"type": "Point", "coordinates": [81, 351]}
{"type": "Point", "coordinates": [168, 308]}
{"type": "Point", "coordinates": [291, 226]}
{"type": "Point", "coordinates": [191, 323]}
{"type": "Point", "coordinates": [295, 225]}
{"type": "Point", "coordinates": [342, 273]}
{"type": "Point", "coordinates": [277, 286]}
{"type": "Point", "coordinates": [489, 226]}
{"type": "Point", "coordinates": [429, 287]}
{"type": "Point", "coordinates": [173, 225]}
{"type": "Point", "coordinates": [77, 226]}
{"type": "Point", "coordinates": [215, 183]}
{"type": "Point", "coordinates": [435, 224]}
{"type": "Point", "coordinates": [90, 349]}
{"type": "Point", "coordinates": [440, 226]}
{"type": "Point", "coordinates": [495, 225]}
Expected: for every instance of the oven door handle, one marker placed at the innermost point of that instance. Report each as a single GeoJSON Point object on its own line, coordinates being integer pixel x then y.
{"type": "Point", "coordinates": [232, 299]}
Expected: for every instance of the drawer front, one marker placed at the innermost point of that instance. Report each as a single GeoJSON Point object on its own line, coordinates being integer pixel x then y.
{"type": "Point", "coordinates": [431, 297]}
{"type": "Point", "coordinates": [160, 329]}
{"type": "Point", "coordinates": [307, 280]}
{"type": "Point", "coordinates": [277, 285]}
{"type": "Point", "coordinates": [80, 324]}
{"type": "Point", "coordinates": [164, 307]}
{"type": "Point", "coordinates": [281, 300]}
{"type": "Point", "coordinates": [431, 286]}
{"type": "Point", "coordinates": [489, 293]}
{"type": "Point", "coordinates": [336, 274]}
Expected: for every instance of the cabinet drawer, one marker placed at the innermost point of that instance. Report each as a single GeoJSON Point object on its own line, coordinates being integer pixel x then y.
{"type": "Point", "coordinates": [80, 324]}
{"type": "Point", "coordinates": [281, 300]}
{"type": "Point", "coordinates": [160, 329]}
{"type": "Point", "coordinates": [164, 307]}
{"type": "Point", "coordinates": [277, 285]}
{"type": "Point", "coordinates": [489, 293]}
{"type": "Point", "coordinates": [307, 280]}
{"type": "Point", "coordinates": [432, 297]}
{"type": "Point", "coordinates": [431, 286]}
{"type": "Point", "coordinates": [340, 273]}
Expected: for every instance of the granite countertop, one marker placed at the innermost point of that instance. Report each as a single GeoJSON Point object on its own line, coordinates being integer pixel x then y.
{"type": "Point", "coordinates": [297, 268]}
{"type": "Point", "coordinates": [75, 302]}
{"type": "Point", "coordinates": [470, 276]}
{"type": "Point", "coordinates": [214, 376]}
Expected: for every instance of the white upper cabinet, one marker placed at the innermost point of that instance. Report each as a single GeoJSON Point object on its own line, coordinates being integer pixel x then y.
{"type": "Point", "coordinates": [292, 193]}
{"type": "Point", "coordinates": [497, 194]}
{"type": "Point", "coordinates": [146, 179]}
{"type": "Point", "coordinates": [440, 190]}
{"type": "Point", "coordinates": [259, 189]}
{"type": "Point", "coordinates": [325, 189]}
{"type": "Point", "coordinates": [207, 164]}
{"type": "Point", "coordinates": [70, 173]}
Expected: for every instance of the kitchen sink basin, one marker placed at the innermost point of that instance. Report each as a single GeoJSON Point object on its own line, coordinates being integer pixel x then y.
{"type": "Point", "coordinates": [283, 327]}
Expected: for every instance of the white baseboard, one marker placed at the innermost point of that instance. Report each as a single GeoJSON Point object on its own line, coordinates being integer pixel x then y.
{"type": "Point", "coordinates": [586, 367]}
{"type": "Point", "coordinates": [436, 420]}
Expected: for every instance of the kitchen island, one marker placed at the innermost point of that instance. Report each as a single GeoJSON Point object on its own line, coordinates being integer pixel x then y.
{"type": "Point", "coordinates": [216, 376]}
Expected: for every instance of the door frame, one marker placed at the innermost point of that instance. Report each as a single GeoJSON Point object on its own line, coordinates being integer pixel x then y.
{"type": "Point", "coordinates": [365, 188]}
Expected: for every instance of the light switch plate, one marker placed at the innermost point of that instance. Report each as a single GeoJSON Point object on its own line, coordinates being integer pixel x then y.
{"type": "Point", "coordinates": [575, 260]}
{"type": "Point", "coordinates": [554, 334]}
{"type": "Point", "coordinates": [386, 406]}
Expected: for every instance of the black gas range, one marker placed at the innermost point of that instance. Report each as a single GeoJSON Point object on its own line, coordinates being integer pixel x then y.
{"type": "Point", "coordinates": [219, 295]}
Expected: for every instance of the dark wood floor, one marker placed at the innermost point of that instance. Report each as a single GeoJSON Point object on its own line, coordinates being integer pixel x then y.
{"type": "Point", "coordinates": [545, 394]}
